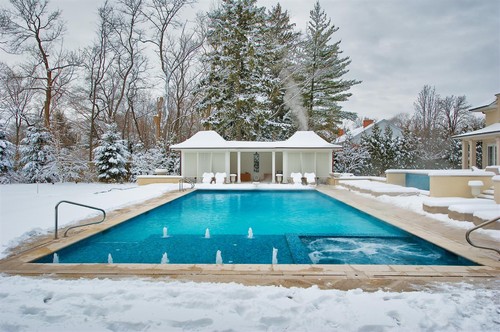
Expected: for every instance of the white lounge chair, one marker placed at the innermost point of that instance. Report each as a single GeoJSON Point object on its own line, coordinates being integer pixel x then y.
{"type": "Point", "coordinates": [296, 178]}
{"type": "Point", "coordinates": [310, 178]}
{"type": "Point", "coordinates": [207, 178]}
{"type": "Point", "coordinates": [220, 178]}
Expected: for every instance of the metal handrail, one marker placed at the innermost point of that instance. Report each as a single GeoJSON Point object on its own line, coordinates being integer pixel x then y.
{"type": "Point", "coordinates": [78, 204]}
{"type": "Point", "coordinates": [467, 234]}
{"type": "Point", "coordinates": [186, 180]}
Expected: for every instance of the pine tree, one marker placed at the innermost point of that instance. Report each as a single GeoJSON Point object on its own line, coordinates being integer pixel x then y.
{"type": "Point", "coordinates": [280, 42]}
{"type": "Point", "coordinates": [38, 156]}
{"type": "Point", "coordinates": [322, 80]}
{"type": "Point", "coordinates": [407, 150]}
{"type": "Point", "coordinates": [7, 152]}
{"type": "Point", "coordinates": [235, 89]}
{"type": "Point", "coordinates": [110, 156]}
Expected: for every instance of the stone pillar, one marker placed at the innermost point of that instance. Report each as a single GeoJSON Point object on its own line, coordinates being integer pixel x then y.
{"type": "Point", "coordinates": [497, 142]}
{"type": "Point", "coordinates": [239, 168]}
{"type": "Point", "coordinates": [465, 154]}
{"type": "Point", "coordinates": [273, 180]}
{"type": "Point", "coordinates": [285, 167]}
{"type": "Point", "coordinates": [472, 147]}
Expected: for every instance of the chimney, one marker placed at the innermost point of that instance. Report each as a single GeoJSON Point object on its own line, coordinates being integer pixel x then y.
{"type": "Point", "coordinates": [340, 132]}
{"type": "Point", "coordinates": [367, 122]}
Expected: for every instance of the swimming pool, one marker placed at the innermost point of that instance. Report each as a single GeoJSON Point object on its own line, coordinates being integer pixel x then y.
{"type": "Point", "coordinates": [306, 227]}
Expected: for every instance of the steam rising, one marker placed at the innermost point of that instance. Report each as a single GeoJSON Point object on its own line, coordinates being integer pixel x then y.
{"type": "Point", "coordinates": [293, 100]}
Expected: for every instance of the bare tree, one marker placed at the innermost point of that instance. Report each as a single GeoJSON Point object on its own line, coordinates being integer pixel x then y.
{"type": "Point", "coordinates": [97, 61]}
{"type": "Point", "coordinates": [184, 76]}
{"type": "Point", "coordinates": [16, 96]}
{"type": "Point", "coordinates": [427, 112]}
{"type": "Point", "coordinates": [162, 15]}
{"type": "Point", "coordinates": [455, 114]}
{"type": "Point", "coordinates": [30, 29]}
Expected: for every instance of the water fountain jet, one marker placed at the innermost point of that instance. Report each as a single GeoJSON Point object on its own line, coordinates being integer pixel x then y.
{"type": "Point", "coordinates": [275, 256]}
{"type": "Point", "coordinates": [55, 260]}
{"type": "Point", "coordinates": [218, 258]}
{"type": "Point", "coordinates": [165, 232]}
{"type": "Point", "coordinates": [250, 233]}
{"type": "Point", "coordinates": [164, 258]}
{"type": "Point", "coordinates": [110, 259]}
{"type": "Point", "coordinates": [207, 234]}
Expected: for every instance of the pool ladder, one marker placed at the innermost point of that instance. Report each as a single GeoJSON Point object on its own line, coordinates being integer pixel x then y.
{"type": "Point", "coordinates": [189, 181]}
{"type": "Point", "coordinates": [78, 204]}
{"type": "Point", "coordinates": [467, 234]}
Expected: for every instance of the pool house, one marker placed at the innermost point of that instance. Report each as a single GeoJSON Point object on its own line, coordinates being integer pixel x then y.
{"type": "Point", "coordinates": [253, 161]}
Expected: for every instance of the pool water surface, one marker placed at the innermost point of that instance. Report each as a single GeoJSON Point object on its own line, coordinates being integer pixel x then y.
{"type": "Point", "coordinates": [306, 226]}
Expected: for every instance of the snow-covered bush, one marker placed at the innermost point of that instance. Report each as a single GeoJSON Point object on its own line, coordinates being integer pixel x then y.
{"type": "Point", "coordinates": [38, 156]}
{"type": "Point", "coordinates": [352, 158]}
{"type": "Point", "coordinates": [111, 156]}
{"type": "Point", "coordinates": [7, 152]}
{"type": "Point", "coordinates": [72, 167]}
{"type": "Point", "coordinates": [144, 161]}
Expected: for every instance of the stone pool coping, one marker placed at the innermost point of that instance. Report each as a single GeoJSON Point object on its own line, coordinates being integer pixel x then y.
{"type": "Point", "coordinates": [368, 277]}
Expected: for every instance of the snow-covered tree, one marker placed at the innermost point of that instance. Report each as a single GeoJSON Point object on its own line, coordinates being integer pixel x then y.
{"type": "Point", "coordinates": [407, 150]}
{"type": "Point", "coordinates": [382, 148]}
{"type": "Point", "coordinates": [280, 43]}
{"type": "Point", "coordinates": [237, 82]}
{"type": "Point", "coordinates": [323, 81]}
{"type": "Point", "coordinates": [38, 156]}
{"type": "Point", "coordinates": [353, 158]}
{"type": "Point", "coordinates": [111, 156]}
{"type": "Point", "coordinates": [7, 152]}
{"type": "Point", "coordinates": [72, 165]}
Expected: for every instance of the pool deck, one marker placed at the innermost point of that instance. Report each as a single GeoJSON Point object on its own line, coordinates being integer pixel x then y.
{"type": "Point", "coordinates": [367, 277]}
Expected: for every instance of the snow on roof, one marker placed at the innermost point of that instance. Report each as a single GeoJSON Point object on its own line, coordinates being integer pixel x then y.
{"type": "Point", "coordinates": [355, 133]}
{"type": "Point", "coordinates": [485, 108]}
{"type": "Point", "coordinates": [491, 130]}
{"type": "Point", "coordinates": [212, 140]}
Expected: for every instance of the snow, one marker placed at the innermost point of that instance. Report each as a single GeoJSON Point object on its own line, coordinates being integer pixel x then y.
{"type": "Point", "coordinates": [141, 304]}
{"type": "Point", "coordinates": [447, 201]}
{"type": "Point", "coordinates": [471, 208]}
{"type": "Point", "coordinates": [211, 139]}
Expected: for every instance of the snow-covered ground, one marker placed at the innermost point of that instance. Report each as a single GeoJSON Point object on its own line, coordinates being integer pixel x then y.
{"type": "Point", "coordinates": [47, 304]}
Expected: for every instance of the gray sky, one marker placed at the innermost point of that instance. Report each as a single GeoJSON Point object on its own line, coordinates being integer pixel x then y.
{"type": "Point", "coordinates": [396, 46]}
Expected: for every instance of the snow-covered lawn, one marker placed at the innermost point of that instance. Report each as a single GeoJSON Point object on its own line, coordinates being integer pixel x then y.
{"type": "Point", "coordinates": [47, 304]}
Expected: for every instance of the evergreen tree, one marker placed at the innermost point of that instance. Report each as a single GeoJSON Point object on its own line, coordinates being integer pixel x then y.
{"type": "Point", "coordinates": [352, 158]}
{"type": "Point", "coordinates": [383, 150]}
{"type": "Point", "coordinates": [407, 151]}
{"type": "Point", "coordinates": [7, 152]}
{"type": "Point", "coordinates": [322, 80]}
{"type": "Point", "coordinates": [38, 156]}
{"type": "Point", "coordinates": [280, 42]}
{"type": "Point", "coordinates": [110, 156]}
{"type": "Point", "coordinates": [145, 161]}
{"type": "Point", "coordinates": [235, 90]}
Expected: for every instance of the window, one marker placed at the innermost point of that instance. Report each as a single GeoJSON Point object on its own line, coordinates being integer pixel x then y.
{"type": "Point", "coordinates": [492, 155]}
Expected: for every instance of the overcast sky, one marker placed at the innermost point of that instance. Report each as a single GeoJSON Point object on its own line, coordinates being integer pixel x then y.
{"type": "Point", "coordinates": [396, 46]}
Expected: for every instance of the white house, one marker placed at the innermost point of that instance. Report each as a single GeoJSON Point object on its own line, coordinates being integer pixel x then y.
{"type": "Point", "coordinates": [207, 151]}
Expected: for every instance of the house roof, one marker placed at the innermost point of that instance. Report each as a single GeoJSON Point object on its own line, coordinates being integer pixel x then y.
{"type": "Point", "coordinates": [485, 108]}
{"type": "Point", "coordinates": [486, 132]}
{"type": "Point", "coordinates": [356, 133]}
{"type": "Point", "coordinates": [211, 140]}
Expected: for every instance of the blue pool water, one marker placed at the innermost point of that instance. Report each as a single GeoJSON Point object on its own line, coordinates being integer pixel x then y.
{"type": "Point", "coordinates": [305, 226]}
{"type": "Point", "coordinates": [419, 181]}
